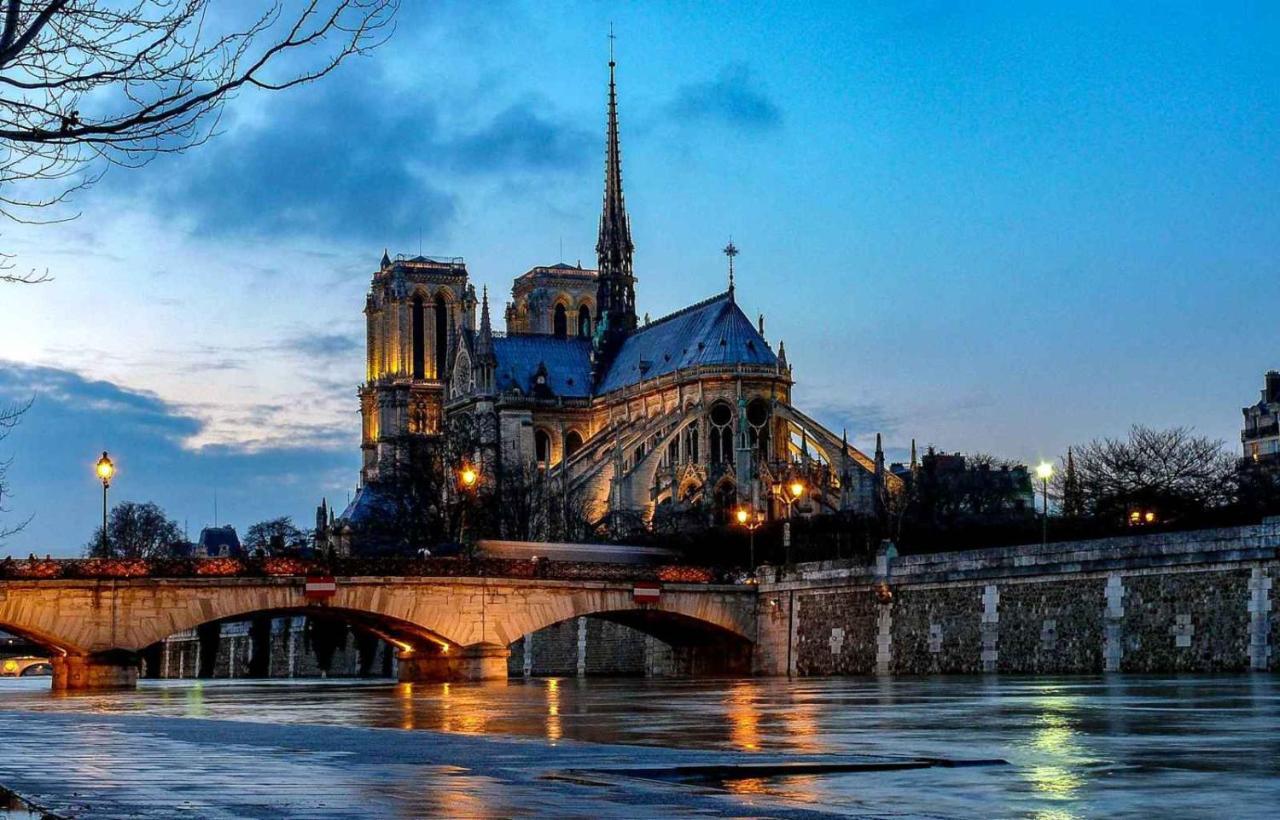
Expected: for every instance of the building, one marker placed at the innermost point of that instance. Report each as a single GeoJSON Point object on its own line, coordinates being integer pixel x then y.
{"type": "Point", "coordinates": [690, 412]}
{"type": "Point", "coordinates": [1261, 433]}
{"type": "Point", "coordinates": [219, 542]}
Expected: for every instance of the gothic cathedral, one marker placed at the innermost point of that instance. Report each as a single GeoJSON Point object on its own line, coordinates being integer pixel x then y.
{"type": "Point", "coordinates": [688, 414]}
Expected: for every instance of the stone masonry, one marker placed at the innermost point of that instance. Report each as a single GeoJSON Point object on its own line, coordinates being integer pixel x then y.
{"type": "Point", "coordinates": [1200, 601]}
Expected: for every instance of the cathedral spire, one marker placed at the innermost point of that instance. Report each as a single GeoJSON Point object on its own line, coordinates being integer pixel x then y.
{"type": "Point", "coordinates": [484, 340]}
{"type": "Point", "coordinates": [731, 250]}
{"type": "Point", "coordinates": [615, 297]}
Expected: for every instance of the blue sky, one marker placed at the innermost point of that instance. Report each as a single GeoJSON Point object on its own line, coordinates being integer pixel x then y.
{"type": "Point", "coordinates": [995, 227]}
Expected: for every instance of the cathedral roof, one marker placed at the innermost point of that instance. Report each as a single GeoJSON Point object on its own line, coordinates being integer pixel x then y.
{"type": "Point", "coordinates": [567, 362]}
{"type": "Point", "coordinates": [711, 332]}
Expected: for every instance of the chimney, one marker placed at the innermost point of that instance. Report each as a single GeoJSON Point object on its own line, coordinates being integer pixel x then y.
{"type": "Point", "coordinates": [1272, 393]}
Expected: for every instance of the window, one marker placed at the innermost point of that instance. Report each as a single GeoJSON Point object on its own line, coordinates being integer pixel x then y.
{"type": "Point", "coordinates": [560, 325]}
{"type": "Point", "coordinates": [572, 443]}
{"type": "Point", "coordinates": [419, 355]}
{"type": "Point", "coordinates": [721, 433]}
{"type": "Point", "coordinates": [758, 427]}
{"type": "Point", "coordinates": [691, 442]}
{"type": "Point", "coordinates": [542, 447]}
{"type": "Point", "coordinates": [442, 335]}
{"type": "Point", "coordinates": [584, 322]}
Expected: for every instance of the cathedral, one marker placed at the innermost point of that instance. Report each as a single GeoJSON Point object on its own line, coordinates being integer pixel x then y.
{"type": "Point", "coordinates": [687, 414]}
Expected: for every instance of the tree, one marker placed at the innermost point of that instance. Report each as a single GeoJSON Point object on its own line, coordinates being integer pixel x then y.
{"type": "Point", "coordinates": [9, 418]}
{"type": "Point", "coordinates": [1172, 471]}
{"type": "Point", "coordinates": [90, 83]}
{"type": "Point", "coordinates": [275, 535]}
{"type": "Point", "coordinates": [136, 531]}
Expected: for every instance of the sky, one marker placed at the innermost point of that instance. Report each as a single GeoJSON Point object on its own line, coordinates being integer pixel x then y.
{"type": "Point", "coordinates": [989, 227]}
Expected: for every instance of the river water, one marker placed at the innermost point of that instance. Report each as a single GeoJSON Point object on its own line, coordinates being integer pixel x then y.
{"type": "Point", "coordinates": [1074, 747]}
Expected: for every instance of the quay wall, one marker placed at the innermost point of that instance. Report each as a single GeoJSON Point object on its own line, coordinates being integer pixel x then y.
{"type": "Point", "coordinates": [1201, 601]}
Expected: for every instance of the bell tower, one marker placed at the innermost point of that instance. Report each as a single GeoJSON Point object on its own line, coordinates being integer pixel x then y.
{"type": "Point", "coordinates": [414, 311]}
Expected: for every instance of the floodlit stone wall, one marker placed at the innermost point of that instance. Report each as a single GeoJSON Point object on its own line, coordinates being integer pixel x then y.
{"type": "Point", "coordinates": [1202, 601]}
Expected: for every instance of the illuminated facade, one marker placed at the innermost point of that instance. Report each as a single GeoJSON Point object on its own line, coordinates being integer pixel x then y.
{"type": "Point", "coordinates": [690, 412]}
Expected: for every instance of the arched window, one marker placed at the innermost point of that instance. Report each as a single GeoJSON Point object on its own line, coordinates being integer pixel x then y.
{"type": "Point", "coordinates": [758, 427]}
{"type": "Point", "coordinates": [442, 335]}
{"type": "Point", "coordinates": [721, 433]}
{"type": "Point", "coordinates": [419, 341]}
{"type": "Point", "coordinates": [584, 322]}
{"type": "Point", "coordinates": [572, 443]}
{"type": "Point", "coordinates": [542, 447]}
{"type": "Point", "coordinates": [691, 438]}
{"type": "Point", "coordinates": [560, 326]}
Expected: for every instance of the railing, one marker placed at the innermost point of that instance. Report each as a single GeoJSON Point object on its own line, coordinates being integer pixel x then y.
{"type": "Point", "coordinates": [39, 569]}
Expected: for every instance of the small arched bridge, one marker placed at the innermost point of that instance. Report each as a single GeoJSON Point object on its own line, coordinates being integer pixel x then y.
{"type": "Point", "coordinates": [445, 628]}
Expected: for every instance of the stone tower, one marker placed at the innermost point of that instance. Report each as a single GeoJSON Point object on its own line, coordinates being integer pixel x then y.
{"type": "Point", "coordinates": [414, 311]}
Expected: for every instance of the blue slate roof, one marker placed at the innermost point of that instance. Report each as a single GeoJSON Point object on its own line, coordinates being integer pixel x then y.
{"type": "Point", "coordinates": [568, 363]}
{"type": "Point", "coordinates": [367, 507]}
{"type": "Point", "coordinates": [711, 332]}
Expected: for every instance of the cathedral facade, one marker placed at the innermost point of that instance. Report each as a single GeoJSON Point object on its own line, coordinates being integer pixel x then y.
{"type": "Point", "coordinates": [690, 413]}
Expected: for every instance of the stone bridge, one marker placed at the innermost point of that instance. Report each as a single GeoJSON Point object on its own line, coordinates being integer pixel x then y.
{"type": "Point", "coordinates": [456, 628]}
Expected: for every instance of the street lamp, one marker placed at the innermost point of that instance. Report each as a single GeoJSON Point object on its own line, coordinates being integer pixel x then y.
{"type": "Point", "coordinates": [751, 520]}
{"type": "Point", "coordinates": [468, 478]}
{"type": "Point", "coordinates": [105, 470]}
{"type": "Point", "coordinates": [1045, 472]}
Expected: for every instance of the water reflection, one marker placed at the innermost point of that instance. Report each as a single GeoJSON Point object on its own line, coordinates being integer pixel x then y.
{"type": "Point", "coordinates": [1078, 747]}
{"type": "Point", "coordinates": [555, 730]}
{"type": "Point", "coordinates": [1057, 774]}
{"type": "Point", "coordinates": [744, 716]}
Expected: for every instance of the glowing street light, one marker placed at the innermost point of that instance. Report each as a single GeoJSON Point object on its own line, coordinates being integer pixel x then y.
{"type": "Point", "coordinates": [468, 479]}
{"type": "Point", "coordinates": [105, 469]}
{"type": "Point", "coordinates": [751, 520]}
{"type": "Point", "coordinates": [1045, 471]}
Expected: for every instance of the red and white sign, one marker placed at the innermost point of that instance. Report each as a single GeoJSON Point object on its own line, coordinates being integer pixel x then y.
{"type": "Point", "coordinates": [320, 588]}
{"type": "Point", "coordinates": [646, 593]}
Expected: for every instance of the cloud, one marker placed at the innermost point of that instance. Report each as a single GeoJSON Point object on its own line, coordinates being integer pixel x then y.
{"type": "Point", "coordinates": [860, 419]}
{"type": "Point", "coordinates": [74, 418]}
{"type": "Point", "coordinates": [349, 158]}
{"type": "Point", "coordinates": [731, 100]}
{"type": "Point", "coordinates": [322, 345]}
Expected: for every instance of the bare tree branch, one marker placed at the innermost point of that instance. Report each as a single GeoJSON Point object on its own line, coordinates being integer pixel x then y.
{"type": "Point", "coordinates": [86, 84]}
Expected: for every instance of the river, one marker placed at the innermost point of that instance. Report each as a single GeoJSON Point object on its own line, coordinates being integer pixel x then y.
{"type": "Point", "coordinates": [1073, 747]}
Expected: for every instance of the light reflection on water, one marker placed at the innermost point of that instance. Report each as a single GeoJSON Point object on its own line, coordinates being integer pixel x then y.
{"type": "Point", "coordinates": [1078, 747]}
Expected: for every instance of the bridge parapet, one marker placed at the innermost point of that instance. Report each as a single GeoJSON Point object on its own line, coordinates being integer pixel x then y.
{"type": "Point", "coordinates": [38, 569]}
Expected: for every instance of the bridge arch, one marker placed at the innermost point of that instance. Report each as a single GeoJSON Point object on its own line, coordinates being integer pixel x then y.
{"type": "Point", "coordinates": [443, 626]}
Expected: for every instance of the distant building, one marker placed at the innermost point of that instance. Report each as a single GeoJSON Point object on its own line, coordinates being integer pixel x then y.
{"type": "Point", "coordinates": [1261, 433]}
{"type": "Point", "coordinates": [219, 542]}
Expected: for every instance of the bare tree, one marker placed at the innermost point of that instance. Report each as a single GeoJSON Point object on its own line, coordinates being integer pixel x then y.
{"type": "Point", "coordinates": [9, 418]}
{"type": "Point", "coordinates": [275, 535]}
{"type": "Point", "coordinates": [135, 531]}
{"type": "Point", "coordinates": [89, 83]}
{"type": "Point", "coordinates": [1173, 469]}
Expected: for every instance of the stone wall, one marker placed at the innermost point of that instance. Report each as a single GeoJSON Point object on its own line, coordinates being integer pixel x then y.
{"type": "Point", "coordinates": [291, 654]}
{"type": "Point", "coordinates": [589, 647]}
{"type": "Point", "coordinates": [1200, 601]}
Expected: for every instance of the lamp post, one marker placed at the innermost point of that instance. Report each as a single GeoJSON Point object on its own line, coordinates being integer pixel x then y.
{"type": "Point", "coordinates": [751, 520]}
{"type": "Point", "coordinates": [791, 493]}
{"type": "Point", "coordinates": [468, 479]}
{"type": "Point", "coordinates": [105, 470]}
{"type": "Point", "coordinates": [1045, 472]}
